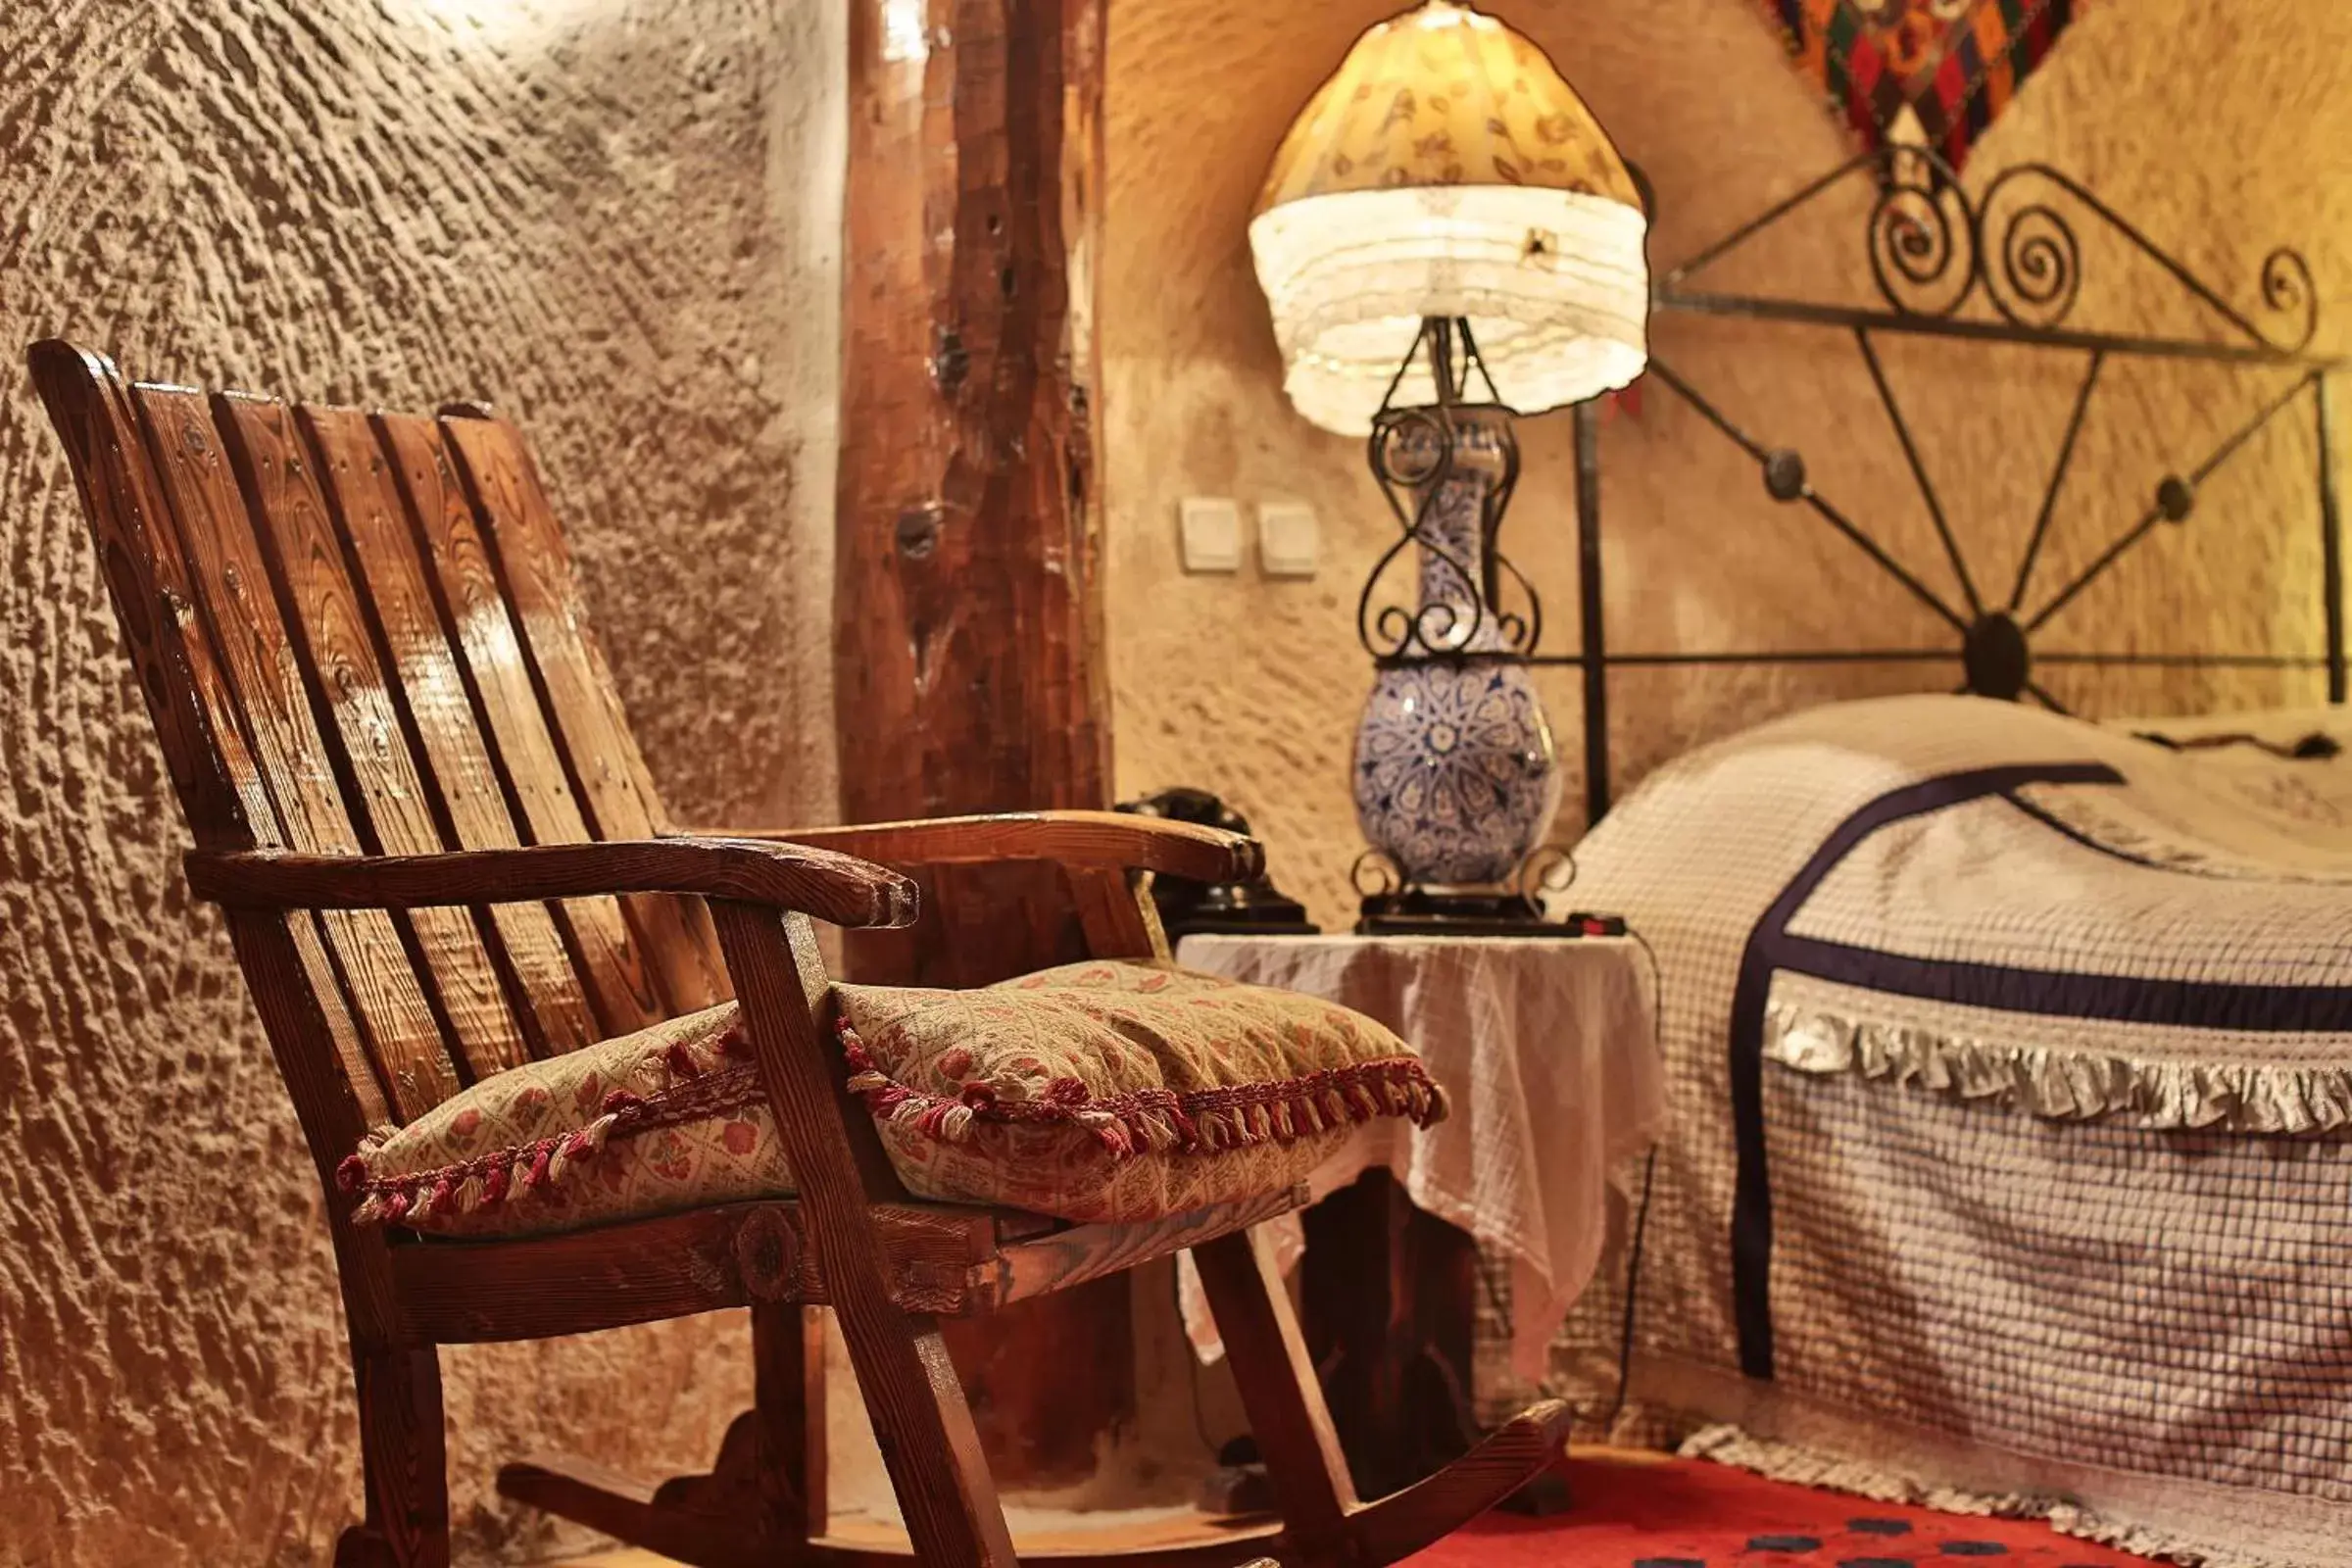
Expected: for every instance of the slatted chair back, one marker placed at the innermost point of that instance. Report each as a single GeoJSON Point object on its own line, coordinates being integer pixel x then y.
{"type": "Point", "coordinates": [362, 633]}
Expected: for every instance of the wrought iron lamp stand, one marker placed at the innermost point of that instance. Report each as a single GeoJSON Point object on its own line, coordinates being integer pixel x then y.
{"type": "Point", "coordinates": [1455, 774]}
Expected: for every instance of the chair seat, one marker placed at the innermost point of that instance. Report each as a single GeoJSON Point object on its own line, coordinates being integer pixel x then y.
{"type": "Point", "coordinates": [947, 1260]}
{"type": "Point", "coordinates": [1097, 1091]}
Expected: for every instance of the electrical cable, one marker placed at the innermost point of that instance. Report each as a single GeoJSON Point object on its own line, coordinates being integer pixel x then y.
{"type": "Point", "coordinates": [1650, 1171]}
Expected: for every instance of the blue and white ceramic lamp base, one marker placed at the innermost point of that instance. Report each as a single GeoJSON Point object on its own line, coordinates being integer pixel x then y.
{"type": "Point", "coordinates": [1456, 778]}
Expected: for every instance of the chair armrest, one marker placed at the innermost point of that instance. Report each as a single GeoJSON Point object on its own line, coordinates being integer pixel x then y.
{"type": "Point", "coordinates": [1118, 839]}
{"type": "Point", "coordinates": [816, 882]}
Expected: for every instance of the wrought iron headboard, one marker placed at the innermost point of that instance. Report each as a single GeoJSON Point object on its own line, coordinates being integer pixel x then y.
{"type": "Point", "coordinates": [1933, 248]}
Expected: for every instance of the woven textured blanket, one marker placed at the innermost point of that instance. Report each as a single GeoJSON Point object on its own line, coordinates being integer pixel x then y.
{"type": "Point", "coordinates": [2010, 1152]}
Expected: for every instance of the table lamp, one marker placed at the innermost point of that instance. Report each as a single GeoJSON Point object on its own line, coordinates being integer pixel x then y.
{"type": "Point", "coordinates": [1447, 242]}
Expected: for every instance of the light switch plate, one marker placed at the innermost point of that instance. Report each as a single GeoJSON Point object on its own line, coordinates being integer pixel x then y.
{"type": "Point", "coordinates": [1212, 533]}
{"type": "Point", "coordinates": [1288, 540]}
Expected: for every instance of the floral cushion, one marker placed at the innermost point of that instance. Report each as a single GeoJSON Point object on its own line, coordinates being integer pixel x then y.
{"type": "Point", "coordinates": [1110, 1090]}
{"type": "Point", "coordinates": [1097, 1090]}
{"type": "Point", "coordinates": [669, 1117]}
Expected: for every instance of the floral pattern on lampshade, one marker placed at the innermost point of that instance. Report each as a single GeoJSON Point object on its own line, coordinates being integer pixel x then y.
{"type": "Point", "coordinates": [1448, 170]}
{"type": "Point", "coordinates": [1445, 97]}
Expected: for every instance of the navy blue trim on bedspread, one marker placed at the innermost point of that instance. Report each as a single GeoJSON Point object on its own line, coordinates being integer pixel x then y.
{"type": "Point", "coordinates": [1771, 949]}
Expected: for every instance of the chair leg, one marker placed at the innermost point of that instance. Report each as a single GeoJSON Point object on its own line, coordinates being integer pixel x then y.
{"type": "Point", "coordinates": [763, 1496]}
{"type": "Point", "coordinates": [929, 1444]}
{"type": "Point", "coordinates": [404, 1460]}
{"type": "Point", "coordinates": [1324, 1525]}
{"type": "Point", "coordinates": [921, 1422]}
{"type": "Point", "coordinates": [788, 1396]}
{"type": "Point", "coordinates": [757, 1498]}
{"type": "Point", "coordinates": [748, 1512]}
{"type": "Point", "coordinates": [1281, 1394]}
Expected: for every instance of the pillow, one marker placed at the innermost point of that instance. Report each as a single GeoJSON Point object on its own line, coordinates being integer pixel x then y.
{"type": "Point", "coordinates": [1097, 1090]}
{"type": "Point", "coordinates": [1119, 1091]}
{"type": "Point", "coordinates": [669, 1117]}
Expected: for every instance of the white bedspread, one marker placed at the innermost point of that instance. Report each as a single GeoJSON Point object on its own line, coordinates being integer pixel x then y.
{"type": "Point", "coordinates": [2095, 925]}
{"type": "Point", "coordinates": [2010, 1138]}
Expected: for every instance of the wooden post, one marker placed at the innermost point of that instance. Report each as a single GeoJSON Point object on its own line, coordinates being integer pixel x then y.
{"type": "Point", "coordinates": [967, 650]}
{"type": "Point", "coordinates": [968, 660]}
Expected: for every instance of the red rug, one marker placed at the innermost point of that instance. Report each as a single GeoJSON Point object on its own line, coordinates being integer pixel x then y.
{"type": "Point", "coordinates": [1687, 1513]}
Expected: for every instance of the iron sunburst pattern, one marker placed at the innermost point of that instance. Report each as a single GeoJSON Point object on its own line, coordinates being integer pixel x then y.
{"type": "Point", "coordinates": [1934, 247]}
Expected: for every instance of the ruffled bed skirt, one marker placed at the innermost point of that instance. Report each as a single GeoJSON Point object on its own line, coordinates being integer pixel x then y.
{"type": "Point", "coordinates": [2061, 1083]}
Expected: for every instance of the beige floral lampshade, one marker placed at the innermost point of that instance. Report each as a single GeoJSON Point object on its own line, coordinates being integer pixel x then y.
{"type": "Point", "coordinates": [1447, 168]}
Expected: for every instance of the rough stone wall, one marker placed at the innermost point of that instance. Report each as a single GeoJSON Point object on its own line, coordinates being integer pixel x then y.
{"type": "Point", "coordinates": [2222, 130]}
{"type": "Point", "coordinates": [619, 219]}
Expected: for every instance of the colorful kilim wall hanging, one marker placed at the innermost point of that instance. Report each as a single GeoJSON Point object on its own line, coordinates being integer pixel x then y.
{"type": "Point", "coordinates": [1954, 63]}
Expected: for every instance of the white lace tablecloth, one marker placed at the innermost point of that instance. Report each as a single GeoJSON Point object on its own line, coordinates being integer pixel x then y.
{"type": "Point", "coordinates": [1547, 1050]}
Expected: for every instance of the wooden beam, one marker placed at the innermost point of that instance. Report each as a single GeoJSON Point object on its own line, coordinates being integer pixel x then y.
{"type": "Point", "coordinates": [967, 648]}
{"type": "Point", "coordinates": [968, 661]}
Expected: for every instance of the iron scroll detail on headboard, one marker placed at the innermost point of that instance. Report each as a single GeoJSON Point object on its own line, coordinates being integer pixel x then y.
{"type": "Point", "coordinates": [1933, 248]}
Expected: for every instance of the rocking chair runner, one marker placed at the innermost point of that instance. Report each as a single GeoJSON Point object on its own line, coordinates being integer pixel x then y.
{"type": "Point", "coordinates": [441, 856]}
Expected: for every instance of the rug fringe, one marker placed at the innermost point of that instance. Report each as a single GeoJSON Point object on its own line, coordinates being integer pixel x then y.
{"type": "Point", "coordinates": [1810, 1467]}
{"type": "Point", "coordinates": [1724, 1443]}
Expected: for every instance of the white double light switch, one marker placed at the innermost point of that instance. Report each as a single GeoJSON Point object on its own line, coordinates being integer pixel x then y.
{"type": "Point", "coordinates": [1289, 541]}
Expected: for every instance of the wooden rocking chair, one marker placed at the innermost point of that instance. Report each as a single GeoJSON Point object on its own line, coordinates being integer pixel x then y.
{"type": "Point", "coordinates": [412, 788]}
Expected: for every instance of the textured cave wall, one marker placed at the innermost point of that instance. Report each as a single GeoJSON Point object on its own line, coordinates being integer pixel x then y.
{"type": "Point", "coordinates": [618, 219]}
{"type": "Point", "coordinates": [2222, 130]}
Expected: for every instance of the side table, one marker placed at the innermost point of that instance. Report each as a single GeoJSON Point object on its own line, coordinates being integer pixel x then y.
{"type": "Point", "coordinates": [1548, 1052]}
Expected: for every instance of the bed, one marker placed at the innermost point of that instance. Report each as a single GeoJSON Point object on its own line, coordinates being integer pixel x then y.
{"type": "Point", "coordinates": [2012, 1072]}
{"type": "Point", "coordinates": [2010, 1157]}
